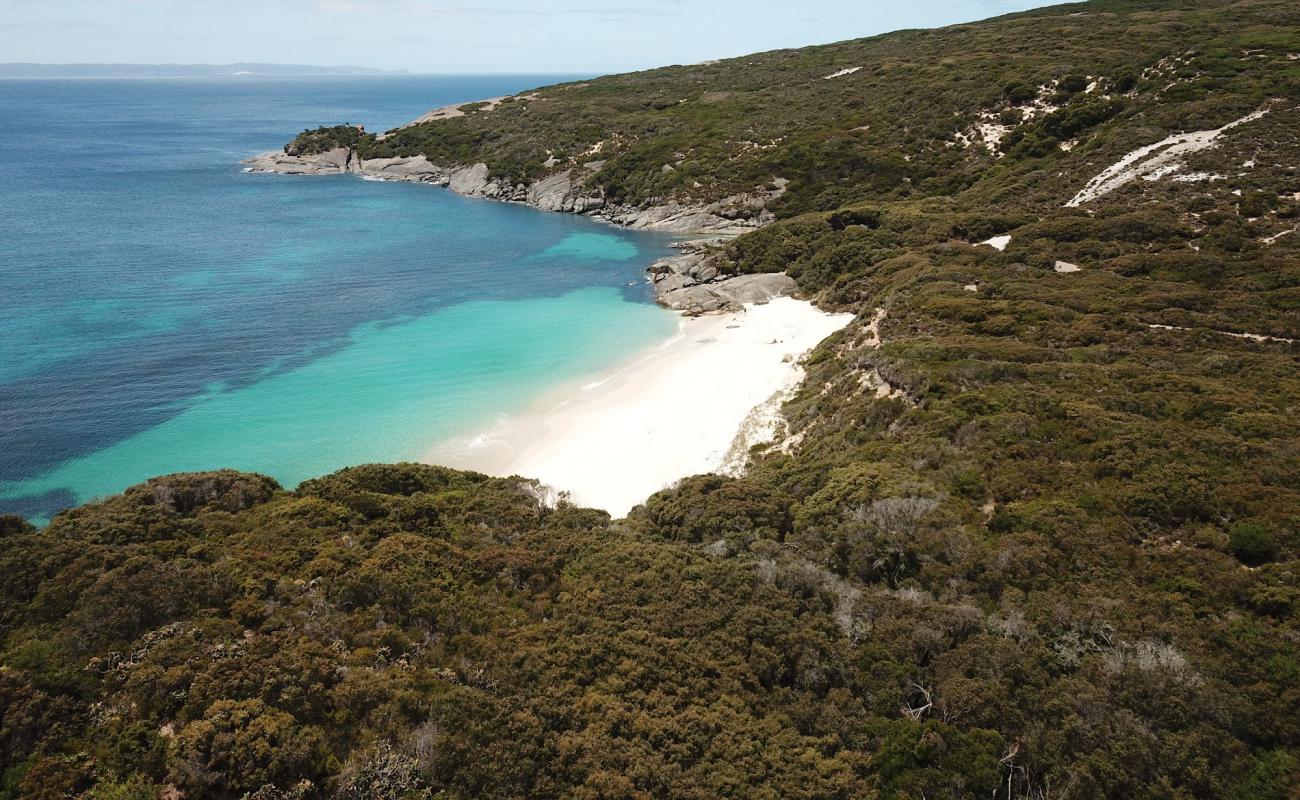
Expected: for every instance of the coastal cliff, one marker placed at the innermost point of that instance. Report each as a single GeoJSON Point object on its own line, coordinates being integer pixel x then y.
{"type": "Point", "coordinates": [564, 191]}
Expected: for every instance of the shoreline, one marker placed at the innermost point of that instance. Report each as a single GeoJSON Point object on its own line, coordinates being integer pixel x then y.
{"type": "Point", "coordinates": [615, 438]}
{"type": "Point", "coordinates": [612, 439]}
{"type": "Point", "coordinates": [563, 191]}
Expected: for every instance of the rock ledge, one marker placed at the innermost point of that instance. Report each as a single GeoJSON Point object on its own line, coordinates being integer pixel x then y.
{"type": "Point", "coordinates": [689, 283]}
{"type": "Point", "coordinates": [564, 191]}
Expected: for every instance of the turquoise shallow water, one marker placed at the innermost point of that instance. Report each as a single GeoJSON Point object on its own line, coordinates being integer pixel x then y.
{"type": "Point", "coordinates": [166, 312]}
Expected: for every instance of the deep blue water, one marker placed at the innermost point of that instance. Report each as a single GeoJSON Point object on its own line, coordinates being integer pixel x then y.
{"type": "Point", "coordinates": [163, 310]}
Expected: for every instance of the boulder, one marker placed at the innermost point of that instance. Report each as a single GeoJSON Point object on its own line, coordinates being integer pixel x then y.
{"type": "Point", "coordinates": [469, 180]}
{"type": "Point", "coordinates": [414, 168]}
{"type": "Point", "coordinates": [684, 219]}
{"type": "Point", "coordinates": [687, 264]}
{"type": "Point", "coordinates": [593, 201]}
{"type": "Point", "coordinates": [756, 289]}
{"type": "Point", "coordinates": [696, 300]}
{"type": "Point", "coordinates": [563, 192]}
{"type": "Point", "coordinates": [554, 193]}
{"type": "Point", "coordinates": [673, 282]}
{"type": "Point", "coordinates": [330, 162]}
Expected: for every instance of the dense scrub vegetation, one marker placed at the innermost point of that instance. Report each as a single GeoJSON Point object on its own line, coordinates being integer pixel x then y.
{"type": "Point", "coordinates": [324, 139]}
{"type": "Point", "coordinates": [1030, 534]}
{"type": "Point", "coordinates": [841, 625]}
{"type": "Point", "coordinates": [905, 125]}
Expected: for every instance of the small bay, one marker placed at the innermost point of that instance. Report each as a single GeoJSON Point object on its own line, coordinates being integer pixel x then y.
{"type": "Point", "coordinates": [165, 311]}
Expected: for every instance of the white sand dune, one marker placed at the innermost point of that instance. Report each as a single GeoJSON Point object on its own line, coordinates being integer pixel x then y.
{"type": "Point", "coordinates": [612, 440]}
{"type": "Point", "coordinates": [1155, 161]}
{"type": "Point", "coordinates": [1254, 337]}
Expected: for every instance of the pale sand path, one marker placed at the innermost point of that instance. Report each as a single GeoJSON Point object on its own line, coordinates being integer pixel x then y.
{"type": "Point", "coordinates": [673, 411]}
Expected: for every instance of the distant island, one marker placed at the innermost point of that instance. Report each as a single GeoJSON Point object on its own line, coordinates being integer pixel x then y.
{"type": "Point", "coordinates": [23, 70]}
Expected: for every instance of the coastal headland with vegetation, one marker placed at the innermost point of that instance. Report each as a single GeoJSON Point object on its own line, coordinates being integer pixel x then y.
{"type": "Point", "coordinates": [1028, 525]}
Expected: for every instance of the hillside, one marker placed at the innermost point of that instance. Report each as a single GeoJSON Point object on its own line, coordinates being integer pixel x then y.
{"type": "Point", "coordinates": [1033, 530]}
{"type": "Point", "coordinates": [906, 115]}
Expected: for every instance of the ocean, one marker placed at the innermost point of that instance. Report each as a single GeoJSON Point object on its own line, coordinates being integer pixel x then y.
{"type": "Point", "coordinates": [164, 311]}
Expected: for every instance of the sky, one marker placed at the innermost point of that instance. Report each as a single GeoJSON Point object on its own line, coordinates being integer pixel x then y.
{"type": "Point", "coordinates": [454, 36]}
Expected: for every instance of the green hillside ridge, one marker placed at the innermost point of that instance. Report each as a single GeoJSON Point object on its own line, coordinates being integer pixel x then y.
{"type": "Point", "coordinates": [889, 130]}
{"type": "Point", "coordinates": [1031, 533]}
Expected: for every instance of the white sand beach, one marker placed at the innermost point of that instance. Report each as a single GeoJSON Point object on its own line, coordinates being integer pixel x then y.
{"type": "Point", "coordinates": [673, 411]}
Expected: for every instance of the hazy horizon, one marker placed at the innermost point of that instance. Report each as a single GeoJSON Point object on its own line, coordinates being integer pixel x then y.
{"type": "Point", "coordinates": [437, 37]}
{"type": "Point", "coordinates": [362, 69]}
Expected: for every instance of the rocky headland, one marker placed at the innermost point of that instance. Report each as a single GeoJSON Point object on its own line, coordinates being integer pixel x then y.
{"type": "Point", "coordinates": [689, 282]}
{"type": "Point", "coordinates": [564, 191]}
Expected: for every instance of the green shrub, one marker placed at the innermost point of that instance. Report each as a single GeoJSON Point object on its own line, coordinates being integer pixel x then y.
{"type": "Point", "coordinates": [1252, 543]}
{"type": "Point", "coordinates": [324, 139]}
{"type": "Point", "coordinates": [1068, 122]}
{"type": "Point", "coordinates": [1018, 94]}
